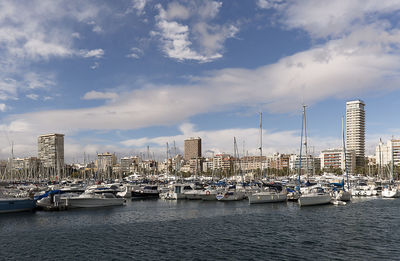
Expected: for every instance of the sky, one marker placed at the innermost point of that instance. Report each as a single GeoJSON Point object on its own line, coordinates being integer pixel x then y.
{"type": "Point", "coordinates": [119, 76]}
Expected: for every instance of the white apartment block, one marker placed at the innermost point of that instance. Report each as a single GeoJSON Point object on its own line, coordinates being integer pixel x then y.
{"type": "Point", "coordinates": [355, 130]}
{"type": "Point", "coordinates": [51, 151]}
{"type": "Point", "coordinates": [385, 153]}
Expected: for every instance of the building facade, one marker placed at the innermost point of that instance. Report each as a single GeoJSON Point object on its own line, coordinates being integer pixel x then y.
{"type": "Point", "coordinates": [51, 151]}
{"type": "Point", "coordinates": [192, 148]}
{"type": "Point", "coordinates": [355, 130]}
{"type": "Point", "coordinates": [105, 162]}
{"type": "Point", "coordinates": [386, 153]}
{"type": "Point", "coordinates": [335, 159]}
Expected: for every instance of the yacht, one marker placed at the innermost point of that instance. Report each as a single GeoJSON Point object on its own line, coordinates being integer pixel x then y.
{"type": "Point", "coordinates": [10, 205]}
{"type": "Point", "coordinates": [232, 194]}
{"type": "Point", "coordinates": [90, 199]}
{"type": "Point", "coordinates": [270, 194]}
{"type": "Point", "coordinates": [314, 196]}
{"type": "Point", "coordinates": [390, 192]}
{"type": "Point", "coordinates": [177, 192]}
{"type": "Point", "coordinates": [146, 192]}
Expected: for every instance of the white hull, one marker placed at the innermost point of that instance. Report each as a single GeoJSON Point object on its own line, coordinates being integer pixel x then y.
{"type": "Point", "coordinates": [93, 202]}
{"type": "Point", "coordinates": [390, 193]}
{"type": "Point", "coordinates": [314, 199]}
{"type": "Point", "coordinates": [195, 195]}
{"type": "Point", "coordinates": [235, 196]}
{"type": "Point", "coordinates": [343, 196]}
{"type": "Point", "coordinates": [267, 197]}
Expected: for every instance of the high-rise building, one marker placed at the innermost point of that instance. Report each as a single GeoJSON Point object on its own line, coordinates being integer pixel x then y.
{"type": "Point", "coordinates": [355, 130]}
{"type": "Point", "coordinates": [193, 148]}
{"type": "Point", "coordinates": [51, 151]}
{"type": "Point", "coordinates": [387, 153]}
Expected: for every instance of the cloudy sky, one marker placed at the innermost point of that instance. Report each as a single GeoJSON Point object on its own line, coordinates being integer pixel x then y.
{"type": "Point", "coordinates": [121, 75]}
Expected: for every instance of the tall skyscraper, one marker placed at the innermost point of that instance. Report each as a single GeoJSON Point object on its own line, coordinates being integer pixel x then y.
{"type": "Point", "coordinates": [193, 148]}
{"type": "Point", "coordinates": [51, 151]}
{"type": "Point", "coordinates": [355, 130]}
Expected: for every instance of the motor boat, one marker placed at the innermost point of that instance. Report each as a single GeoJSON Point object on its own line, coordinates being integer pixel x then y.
{"type": "Point", "coordinates": [10, 205]}
{"type": "Point", "coordinates": [89, 199]}
{"type": "Point", "coordinates": [146, 192]}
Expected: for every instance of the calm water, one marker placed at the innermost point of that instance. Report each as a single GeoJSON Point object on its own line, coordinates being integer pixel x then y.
{"type": "Point", "coordinates": [367, 229]}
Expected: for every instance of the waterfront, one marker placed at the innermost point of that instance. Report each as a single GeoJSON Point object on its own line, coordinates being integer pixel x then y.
{"type": "Point", "coordinates": [365, 229]}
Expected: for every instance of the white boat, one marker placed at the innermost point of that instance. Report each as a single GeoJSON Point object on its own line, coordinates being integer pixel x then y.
{"type": "Point", "coordinates": [177, 192]}
{"type": "Point", "coordinates": [314, 196]}
{"type": "Point", "coordinates": [92, 200]}
{"type": "Point", "coordinates": [390, 192]}
{"type": "Point", "coordinates": [126, 192]}
{"type": "Point", "coordinates": [230, 195]}
{"type": "Point", "coordinates": [268, 195]}
{"type": "Point", "coordinates": [209, 195]}
{"type": "Point", "coordinates": [342, 195]}
{"type": "Point", "coordinates": [338, 202]}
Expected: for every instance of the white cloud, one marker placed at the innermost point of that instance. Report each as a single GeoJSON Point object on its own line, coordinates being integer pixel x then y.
{"type": "Point", "coordinates": [97, 29]}
{"type": "Point", "coordinates": [96, 53]}
{"type": "Point", "coordinates": [175, 11]}
{"type": "Point", "coordinates": [137, 5]}
{"type": "Point", "coordinates": [135, 53]}
{"type": "Point", "coordinates": [198, 40]}
{"type": "Point", "coordinates": [221, 141]}
{"type": "Point", "coordinates": [339, 69]}
{"type": "Point", "coordinates": [269, 4]}
{"type": "Point", "coordinates": [76, 35]}
{"type": "Point", "coordinates": [39, 81]}
{"type": "Point", "coordinates": [95, 95]}
{"type": "Point", "coordinates": [95, 66]}
{"type": "Point", "coordinates": [33, 31]}
{"type": "Point", "coordinates": [32, 96]}
{"type": "Point", "coordinates": [330, 18]}
{"type": "Point", "coordinates": [3, 107]}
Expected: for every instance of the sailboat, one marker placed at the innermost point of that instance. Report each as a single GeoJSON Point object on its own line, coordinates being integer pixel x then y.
{"type": "Point", "coordinates": [271, 193]}
{"type": "Point", "coordinates": [313, 195]}
{"type": "Point", "coordinates": [391, 191]}
{"type": "Point", "coordinates": [342, 194]}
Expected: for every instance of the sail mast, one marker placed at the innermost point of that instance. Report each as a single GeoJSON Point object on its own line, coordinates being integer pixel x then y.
{"type": "Point", "coordinates": [345, 156]}
{"type": "Point", "coordinates": [301, 144]}
{"type": "Point", "coordinates": [261, 154]}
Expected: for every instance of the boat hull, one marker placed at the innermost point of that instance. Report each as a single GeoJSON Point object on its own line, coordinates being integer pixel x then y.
{"type": "Point", "coordinates": [266, 197]}
{"type": "Point", "coordinates": [16, 205]}
{"type": "Point", "coordinates": [312, 200]}
{"type": "Point", "coordinates": [140, 194]}
{"type": "Point", "coordinates": [390, 193]}
{"type": "Point", "coordinates": [94, 202]}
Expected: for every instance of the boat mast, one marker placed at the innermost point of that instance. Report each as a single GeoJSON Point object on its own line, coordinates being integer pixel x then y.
{"type": "Point", "coordinates": [345, 156]}
{"type": "Point", "coordinates": [167, 172]}
{"type": "Point", "coordinates": [261, 154]}
{"type": "Point", "coordinates": [301, 146]}
{"type": "Point", "coordinates": [305, 139]}
{"type": "Point", "coordinates": [392, 161]}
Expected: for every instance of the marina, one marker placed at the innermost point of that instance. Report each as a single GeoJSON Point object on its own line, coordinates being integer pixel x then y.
{"type": "Point", "coordinates": [206, 230]}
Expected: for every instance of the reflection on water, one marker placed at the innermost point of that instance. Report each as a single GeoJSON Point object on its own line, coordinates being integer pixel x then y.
{"type": "Point", "coordinates": [156, 229]}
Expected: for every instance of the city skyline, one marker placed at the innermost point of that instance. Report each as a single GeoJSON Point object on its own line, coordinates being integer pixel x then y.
{"type": "Point", "coordinates": [122, 76]}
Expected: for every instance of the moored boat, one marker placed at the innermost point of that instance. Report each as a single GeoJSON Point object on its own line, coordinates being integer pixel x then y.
{"type": "Point", "coordinates": [10, 205]}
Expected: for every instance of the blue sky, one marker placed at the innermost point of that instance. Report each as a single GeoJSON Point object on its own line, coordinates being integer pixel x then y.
{"type": "Point", "coordinates": [120, 75]}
